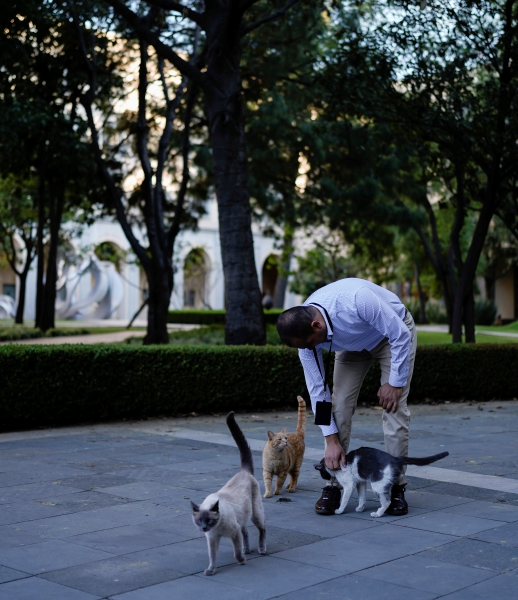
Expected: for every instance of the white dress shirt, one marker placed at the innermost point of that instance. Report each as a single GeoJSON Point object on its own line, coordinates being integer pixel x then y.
{"type": "Point", "coordinates": [362, 315]}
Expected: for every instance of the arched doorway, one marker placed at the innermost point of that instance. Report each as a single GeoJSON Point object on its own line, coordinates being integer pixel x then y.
{"type": "Point", "coordinates": [269, 276]}
{"type": "Point", "coordinates": [111, 252]}
{"type": "Point", "coordinates": [195, 279]}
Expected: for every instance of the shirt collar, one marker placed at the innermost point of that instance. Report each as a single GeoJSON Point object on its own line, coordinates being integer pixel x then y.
{"type": "Point", "coordinates": [329, 330]}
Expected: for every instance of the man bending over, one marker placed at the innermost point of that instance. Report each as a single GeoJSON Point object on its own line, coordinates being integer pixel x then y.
{"type": "Point", "coordinates": [361, 321]}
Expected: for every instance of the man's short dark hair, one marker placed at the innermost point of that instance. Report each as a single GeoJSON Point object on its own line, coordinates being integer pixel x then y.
{"type": "Point", "coordinates": [295, 323]}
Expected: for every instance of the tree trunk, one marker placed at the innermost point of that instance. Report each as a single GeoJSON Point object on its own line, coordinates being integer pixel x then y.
{"type": "Point", "coordinates": [40, 247]}
{"type": "Point", "coordinates": [465, 285]}
{"type": "Point", "coordinates": [422, 302]}
{"type": "Point", "coordinates": [49, 288]}
{"type": "Point", "coordinates": [284, 268]}
{"type": "Point", "coordinates": [224, 111]}
{"type": "Point", "coordinates": [22, 277]}
{"type": "Point", "coordinates": [469, 318]}
{"type": "Point", "coordinates": [160, 285]}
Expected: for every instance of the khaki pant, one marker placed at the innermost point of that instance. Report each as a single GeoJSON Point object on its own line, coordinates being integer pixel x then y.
{"type": "Point", "coordinates": [349, 373]}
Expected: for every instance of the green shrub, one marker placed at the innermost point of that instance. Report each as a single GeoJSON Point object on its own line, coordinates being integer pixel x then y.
{"type": "Point", "coordinates": [11, 333]}
{"type": "Point", "coordinates": [435, 312]}
{"type": "Point", "coordinates": [485, 312]}
{"type": "Point", "coordinates": [213, 317]}
{"type": "Point", "coordinates": [51, 385]}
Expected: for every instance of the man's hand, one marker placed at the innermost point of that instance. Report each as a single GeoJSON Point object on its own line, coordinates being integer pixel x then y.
{"type": "Point", "coordinates": [334, 453]}
{"type": "Point", "coordinates": [389, 397]}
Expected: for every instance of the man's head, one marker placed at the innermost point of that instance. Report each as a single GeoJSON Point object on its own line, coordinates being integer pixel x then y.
{"type": "Point", "coordinates": [302, 327]}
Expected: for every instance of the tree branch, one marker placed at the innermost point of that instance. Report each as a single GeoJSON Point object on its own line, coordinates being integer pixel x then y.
{"type": "Point", "coordinates": [11, 258]}
{"type": "Point", "coordinates": [268, 18]}
{"type": "Point", "coordinates": [152, 38]}
{"type": "Point", "coordinates": [175, 226]}
{"type": "Point", "coordinates": [197, 17]}
{"type": "Point", "coordinates": [86, 101]}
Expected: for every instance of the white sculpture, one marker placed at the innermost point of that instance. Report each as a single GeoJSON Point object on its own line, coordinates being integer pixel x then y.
{"type": "Point", "coordinates": [105, 295]}
{"type": "Point", "coordinates": [7, 307]}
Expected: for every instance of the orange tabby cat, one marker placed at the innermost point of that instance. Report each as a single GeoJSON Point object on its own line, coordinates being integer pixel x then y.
{"type": "Point", "coordinates": [283, 454]}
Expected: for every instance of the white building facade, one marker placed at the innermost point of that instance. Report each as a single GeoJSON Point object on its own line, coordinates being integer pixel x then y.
{"type": "Point", "coordinates": [198, 279]}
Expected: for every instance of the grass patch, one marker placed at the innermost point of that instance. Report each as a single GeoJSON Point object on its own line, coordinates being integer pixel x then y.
{"type": "Point", "coordinates": [432, 338]}
{"type": "Point", "coordinates": [509, 328]}
{"type": "Point", "coordinates": [211, 335]}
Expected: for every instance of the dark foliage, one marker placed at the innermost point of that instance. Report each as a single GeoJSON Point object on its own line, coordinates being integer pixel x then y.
{"type": "Point", "coordinates": [53, 385]}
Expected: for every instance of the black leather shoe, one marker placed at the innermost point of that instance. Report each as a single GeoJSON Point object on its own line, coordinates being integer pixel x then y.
{"type": "Point", "coordinates": [329, 500]}
{"type": "Point", "coordinates": [398, 505]}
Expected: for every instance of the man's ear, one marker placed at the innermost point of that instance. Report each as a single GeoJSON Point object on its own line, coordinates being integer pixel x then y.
{"type": "Point", "coordinates": [315, 324]}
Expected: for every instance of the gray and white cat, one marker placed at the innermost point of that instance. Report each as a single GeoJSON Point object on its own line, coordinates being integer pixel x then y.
{"type": "Point", "coordinates": [226, 513]}
{"type": "Point", "coordinates": [369, 465]}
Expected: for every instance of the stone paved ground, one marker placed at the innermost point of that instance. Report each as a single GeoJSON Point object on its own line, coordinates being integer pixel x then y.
{"type": "Point", "coordinates": [103, 512]}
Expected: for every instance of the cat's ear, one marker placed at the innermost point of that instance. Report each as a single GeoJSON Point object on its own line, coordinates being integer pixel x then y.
{"type": "Point", "coordinates": [195, 507]}
{"type": "Point", "coordinates": [270, 435]}
{"type": "Point", "coordinates": [283, 430]}
{"type": "Point", "coordinates": [215, 508]}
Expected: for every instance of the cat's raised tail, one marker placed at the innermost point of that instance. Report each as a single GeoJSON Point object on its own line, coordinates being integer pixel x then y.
{"type": "Point", "coordinates": [247, 462]}
{"type": "Point", "coordinates": [301, 421]}
{"type": "Point", "coordinates": [421, 462]}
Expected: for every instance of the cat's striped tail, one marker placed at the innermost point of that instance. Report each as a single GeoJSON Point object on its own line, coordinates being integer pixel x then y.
{"type": "Point", "coordinates": [301, 422]}
{"type": "Point", "coordinates": [421, 462]}
{"type": "Point", "coordinates": [247, 462]}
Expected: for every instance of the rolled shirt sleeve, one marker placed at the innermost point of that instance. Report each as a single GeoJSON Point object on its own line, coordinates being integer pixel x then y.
{"type": "Point", "coordinates": [315, 385]}
{"type": "Point", "coordinates": [382, 317]}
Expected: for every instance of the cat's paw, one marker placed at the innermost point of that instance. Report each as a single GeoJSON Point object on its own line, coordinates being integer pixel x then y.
{"type": "Point", "coordinates": [210, 572]}
{"type": "Point", "coordinates": [374, 514]}
{"type": "Point", "coordinates": [262, 551]}
{"type": "Point", "coordinates": [278, 492]}
{"type": "Point", "coordinates": [246, 550]}
{"type": "Point", "coordinates": [267, 495]}
{"type": "Point", "coordinates": [241, 560]}
{"type": "Point", "coordinates": [290, 490]}
{"type": "Point", "coordinates": [360, 508]}
{"type": "Point", "coordinates": [339, 512]}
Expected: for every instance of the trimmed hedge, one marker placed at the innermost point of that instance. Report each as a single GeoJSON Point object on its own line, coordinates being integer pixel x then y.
{"type": "Point", "coordinates": [49, 385]}
{"type": "Point", "coordinates": [213, 317]}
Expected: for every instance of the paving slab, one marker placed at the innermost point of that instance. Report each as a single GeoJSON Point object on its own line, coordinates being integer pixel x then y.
{"type": "Point", "coordinates": [446, 522]}
{"type": "Point", "coordinates": [127, 539]}
{"type": "Point", "coordinates": [477, 554]}
{"type": "Point", "coordinates": [277, 574]}
{"type": "Point", "coordinates": [112, 576]}
{"type": "Point", "coordinates": [324, 527]}
{"type": "Point", "coordinates": [341, 555]}
{"type": "Point", "coordinates": [7, 574]}
{"type": "Point", "coordinates": [48, 556]}
{"type": "Point", "coordinates": [92, 482]}
{"type": "Point", "coordinates": [404, 538]}
{"type": "Point", "coordinates": [37, 588]}
{"type": "Point", "coordinates": [190, 587]}
{"type": "Point", "coordinates": [506, 535]}
{"type": "Point", "coordinates": [502, 586]}
{"type": "Point", "coordinates": [33, 491]}
{"type": "Point", "coordinates": [353, 587]}
{"type": "Point", "coordinates": [434, 576]}
{"type": "Point", "coordinates": [486, 510]}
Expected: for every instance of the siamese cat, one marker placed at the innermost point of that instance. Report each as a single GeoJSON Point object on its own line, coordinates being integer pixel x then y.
{"type": "Point", "coordinates": [226, 512]}
{"type": "Point", "coordinates": [369, 465]}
